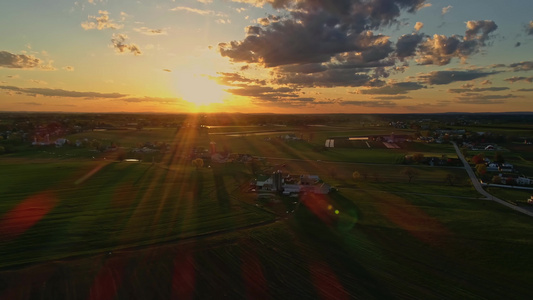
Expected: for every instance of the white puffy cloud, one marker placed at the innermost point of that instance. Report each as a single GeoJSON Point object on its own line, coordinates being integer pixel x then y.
{"type": "Point", "coordinates": [100, 22]}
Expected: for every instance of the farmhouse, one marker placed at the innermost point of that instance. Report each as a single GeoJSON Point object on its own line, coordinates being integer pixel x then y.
{"type": "Point", "coordinates": [291, 184]}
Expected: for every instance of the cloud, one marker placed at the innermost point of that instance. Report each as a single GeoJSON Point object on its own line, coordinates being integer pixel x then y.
{"type": "Point", "coordinates": [399, 97]}
{"type": "Point", "coordinates": [440, 49]}
{"type": "Point", "coordinates": [529, 28]}
{"type": "Point", "coordinates": [522, 66]}
{"type": "Point", "coordinates": [153, 99]}
{"type": "Point", "coordinates": [489, 89]}
{"type": "Point", "coordinates": [267, 20]}
{"type": "Point", "coordinates": [68, 68]}
{"type": "Point", "coordinates": [315, 31]}
{"type": "Point", "coordinates": [407, 44]}
{"type": "Point", "coordinates": [205, 1]}
{"type": "Point", "coordinates": [393, 89]}
{"type": "Point", "coordinates": [236, 79]}
{"type": "Point", "coordinates": [475, 98]}
{"type": "Point", "coordinates": [31, 103]}
{"type": "Point", "coordinates": [486, 82]}
{"type": "Point", "coordinates": [101, 22]}
{"type": "Point", "coordinates": [418, 26]}
{"type": "Point", "coordinates": [479, 30]}
{"type": "Point", "coordinates": [446, 9]}
{"type": "Point", "coordinates": [315, 43]}
{"type": "Point", "coordinates": [202, 12]}
{"type": "Point", "coordinates": [223, 21]}
{"type": "Point", "coordinates": [261, 94]}
{"type": "Point", "coordinates": [149, 31]}
{"type": "Point", "coordinates": [328, 78]}
{"type": "Point", "coordinates": [119, 45]}
{"type": "Point", "coordinates": [60, 93]}
{"type": "Point", "coordinates": [445, 77]}
{"type": "Point", "coordinates": [369, 103]}
{"type": "Point", "coordinates": [525, 90]}
{"type": "Point", "coordinates": [167, 70]}
{"type": "Point", "coordinates": [22, 61]}
{"type": "Point", "coordinates": [38, 81]}
{"type": "Point", "coordinates": [519, 78]}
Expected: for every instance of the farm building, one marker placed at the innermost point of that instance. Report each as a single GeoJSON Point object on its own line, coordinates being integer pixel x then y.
{"type": "Point", "coordinates": [291, 184]}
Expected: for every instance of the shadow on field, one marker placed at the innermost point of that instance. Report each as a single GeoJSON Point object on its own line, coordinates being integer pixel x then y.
{"type": "Point", "coordinates": [321, 224]}
{"type": "Point", "coordinates": [220, 189]}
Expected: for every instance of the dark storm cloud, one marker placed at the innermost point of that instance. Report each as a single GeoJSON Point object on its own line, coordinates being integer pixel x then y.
{"type": "Point", "coordinates": [519, 78]}
{"type": "Point", "coordinates": [445, 77]}
{"type": "Point", "coordinates": [490, 89]}
{"type": "Point", "coordinates": [393, 89]}
{"type": "Point", "coordinates": [60, 93]}
{"type": "Point", "coordinates": [522, 66]}
{"type": "Point", "coordinates": [21, 61]}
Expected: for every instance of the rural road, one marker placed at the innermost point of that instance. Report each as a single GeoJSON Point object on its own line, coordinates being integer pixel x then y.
{"type": "Point", "coordinates": [479, 188]}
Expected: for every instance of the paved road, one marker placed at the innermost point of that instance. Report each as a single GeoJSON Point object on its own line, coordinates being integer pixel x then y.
{"type": "Point", "coordinates": [480, 189]}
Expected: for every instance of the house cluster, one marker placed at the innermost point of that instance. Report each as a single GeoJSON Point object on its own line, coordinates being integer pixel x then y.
{"type": "Point", "coordinates": [291, 184]}
{"type": "Point", "coordinates": [506, 174]}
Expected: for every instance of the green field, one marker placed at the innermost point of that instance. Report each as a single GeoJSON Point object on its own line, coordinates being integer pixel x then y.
{"type": "Point", "coordinates": [75, 227]}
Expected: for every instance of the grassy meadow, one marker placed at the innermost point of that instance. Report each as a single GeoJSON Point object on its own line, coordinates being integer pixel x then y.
{"type": "Point", "coordinates": [81, 226]}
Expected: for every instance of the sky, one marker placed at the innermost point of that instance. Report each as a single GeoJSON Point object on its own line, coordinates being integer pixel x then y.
{"type": "Point", "coordinates": [267, 56]}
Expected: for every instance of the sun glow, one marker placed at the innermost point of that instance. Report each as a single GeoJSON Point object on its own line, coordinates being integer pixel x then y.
{"type": "Point", "coordinates": [199, 89]}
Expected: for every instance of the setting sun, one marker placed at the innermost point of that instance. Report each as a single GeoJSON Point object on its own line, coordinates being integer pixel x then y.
{"type": "Point", "coordinates": [198, 89]}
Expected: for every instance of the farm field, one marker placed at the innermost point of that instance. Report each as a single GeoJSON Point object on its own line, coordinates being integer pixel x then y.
{"type": "Point", "coordinates": [388, 240]}
{"type": "Point", "coordinates": [78, 224]}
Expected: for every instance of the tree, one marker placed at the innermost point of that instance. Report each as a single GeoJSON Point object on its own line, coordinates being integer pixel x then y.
{"type": "Point", "coordinates": [410, 173]}
{"type": "Point", "coordinates": [198, 163]}
{"type": "Point", "coordinates": [464, 151]}
{"type": "Point", "coordinates": [481, 169]}
{"type": "Point", "coordinates": [418, 157]}
{"type": "Point", "coordinates": [496, 179]}
{"type": "Point", "coordinates": [478, 159]}
{"type": "Point", "coordinates": [498, 158]}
